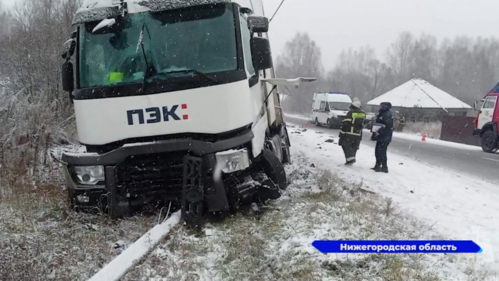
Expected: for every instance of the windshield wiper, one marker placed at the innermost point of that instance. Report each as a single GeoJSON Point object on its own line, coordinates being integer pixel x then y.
{"type": "Point", "coordinates": [150, 69]}
{"type": "Point", "coordinates": [193, 71]}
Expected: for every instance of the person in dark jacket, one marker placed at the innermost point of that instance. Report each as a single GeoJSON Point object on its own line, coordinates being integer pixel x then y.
{"type": "Point", "coordinates": [383, 136]}
{"type": "Point", "coordinates": [351, 131]}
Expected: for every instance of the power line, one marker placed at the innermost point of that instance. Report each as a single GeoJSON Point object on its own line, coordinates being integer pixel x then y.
{"type": "Point", "coordinates": [277, 10]}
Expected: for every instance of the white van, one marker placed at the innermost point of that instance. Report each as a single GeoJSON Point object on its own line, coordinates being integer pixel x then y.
{"type": "Point", "coordinates": [330, 109]}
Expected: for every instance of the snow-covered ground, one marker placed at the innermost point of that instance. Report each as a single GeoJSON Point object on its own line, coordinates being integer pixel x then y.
{"type": "Point", "coordinates": [458, 206]}
{"type": "Point", "coordinates": [274, 242]}
{"type": "Point", "coordinates": [417, 137]}
{"type": "Point", "coordinates": [301, 117]}
{"type": "Point", "coordinates": [404, 135]}
{"type": "Point", "coordinates": [42, 239]}
{"type": "Point", "coordinates": [116, 269]}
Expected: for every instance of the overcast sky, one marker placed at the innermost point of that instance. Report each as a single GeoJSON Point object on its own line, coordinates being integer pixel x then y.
{"type": "Point", "coordinates": [339, 24]}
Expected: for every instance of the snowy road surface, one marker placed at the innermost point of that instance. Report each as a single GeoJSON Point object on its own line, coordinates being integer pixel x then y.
{"type": "Point", "coordinates": [465, 159]}
{"type": "Point", "coordinates": [458, 205]}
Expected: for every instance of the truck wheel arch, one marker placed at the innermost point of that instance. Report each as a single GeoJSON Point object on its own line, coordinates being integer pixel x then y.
{"type": "Point", "coordinates": [489, 138]}
{"type": "Point", "coordinates": [492, 126]}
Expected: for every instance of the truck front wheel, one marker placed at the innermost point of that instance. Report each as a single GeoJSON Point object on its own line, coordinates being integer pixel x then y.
{"type": "Point", "coordinates": [274, 169]}
{"type": "Point", "coordinates": [276, 147]}
{"type": "Point", "coordinates": [331, 123]}
{"type": "Point", "coordinates": [490, 142]}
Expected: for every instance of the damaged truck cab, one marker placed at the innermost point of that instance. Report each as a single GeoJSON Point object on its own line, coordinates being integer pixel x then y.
{"type": "Point", "coordinates": [175, 101]}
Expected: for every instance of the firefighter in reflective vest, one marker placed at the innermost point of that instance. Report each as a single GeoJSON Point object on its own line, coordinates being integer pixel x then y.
{"type": "Point", "coordinates": [351, 131]}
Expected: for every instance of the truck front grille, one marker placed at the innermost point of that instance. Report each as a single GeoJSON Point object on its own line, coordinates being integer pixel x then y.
{"type": "Point", "coordinates": [146, 177]}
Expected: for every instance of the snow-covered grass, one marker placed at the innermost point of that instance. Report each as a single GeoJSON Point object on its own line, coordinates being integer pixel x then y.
{"type": "Point", "coordinates": [460, 207]}
{"type": "Point", "coordinates": [42, 239]}
{"type": "Point", "coordinates": [273, 242]}
{"type": "Point", "coordinates": [50, 242]}
{"type": "Point", "coordinates": [116, 269]}
{"type": "Point", "coordinates": [433, 130]}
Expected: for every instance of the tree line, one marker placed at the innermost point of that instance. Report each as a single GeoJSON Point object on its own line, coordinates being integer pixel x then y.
{"type": "Point", "coordinates": [465, 67]}
{"type": "Point", "coordinates": [34, 111]}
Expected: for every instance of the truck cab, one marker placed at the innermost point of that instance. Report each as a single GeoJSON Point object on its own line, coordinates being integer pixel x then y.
{"type": "Point", "coordinates": [329, 109]}
{"type": "Point", "coordinates": [175, 101]}
{"type": "Point", "coordinates": [486, 123]}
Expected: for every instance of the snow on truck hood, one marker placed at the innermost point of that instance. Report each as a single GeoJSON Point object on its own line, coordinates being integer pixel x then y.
{"type": "Point", "coordinates": [94, 10]}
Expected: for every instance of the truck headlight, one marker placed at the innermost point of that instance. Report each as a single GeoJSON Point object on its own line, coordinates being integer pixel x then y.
{"type": "Point", "coordinates": [233, 160]}
{"type": "Point", "coordinates": [89, 175]}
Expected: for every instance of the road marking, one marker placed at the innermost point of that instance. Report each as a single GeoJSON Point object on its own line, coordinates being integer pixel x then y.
{"type": "Point", "coordinates": [495, 160]}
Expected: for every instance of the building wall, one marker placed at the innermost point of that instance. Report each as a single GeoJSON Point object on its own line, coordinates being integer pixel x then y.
{"type": "Point", "coordinates": [459, 129]}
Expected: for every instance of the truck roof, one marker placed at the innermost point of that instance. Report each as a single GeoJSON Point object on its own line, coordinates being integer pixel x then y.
{"type": "Point", "coordinates": [94, 10]}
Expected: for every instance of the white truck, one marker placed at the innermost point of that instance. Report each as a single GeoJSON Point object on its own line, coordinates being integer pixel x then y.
{"type": "Point", "coordinates": [175, 101]}
{"type": "Point", "coordinates": [329, 109]}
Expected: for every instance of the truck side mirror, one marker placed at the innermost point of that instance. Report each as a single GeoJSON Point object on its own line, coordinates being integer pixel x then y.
{"type": "Point", "coordinates": [260, 53]}
{"type": "Point", "coordinates": [68, 79]}
{"type": "Point", "coordinates": [258, 24]}
{"type": "Point", "coordinates": [68, 48]}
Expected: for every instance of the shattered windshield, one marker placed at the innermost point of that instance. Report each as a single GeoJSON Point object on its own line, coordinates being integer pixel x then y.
{"type": "Point", "coordinates": [201, 39]}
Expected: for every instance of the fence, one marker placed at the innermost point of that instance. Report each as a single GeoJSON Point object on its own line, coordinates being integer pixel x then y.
{"type": "Point", "coordinates": [459, 129]}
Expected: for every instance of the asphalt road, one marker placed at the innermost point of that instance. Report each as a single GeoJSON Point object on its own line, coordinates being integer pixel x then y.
{"type": "Point", "coordinates": [465, 161]}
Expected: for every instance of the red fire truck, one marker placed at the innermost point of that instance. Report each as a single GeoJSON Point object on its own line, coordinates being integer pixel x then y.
{"type": "Point", "coordinates": [486, 123]}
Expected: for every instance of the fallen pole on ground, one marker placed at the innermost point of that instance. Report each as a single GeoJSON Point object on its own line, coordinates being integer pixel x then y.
{"type": "Point", "coordinates": [117, 268]}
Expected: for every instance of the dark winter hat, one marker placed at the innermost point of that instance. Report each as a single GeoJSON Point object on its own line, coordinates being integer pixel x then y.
{"type": "Point", "coordinates": [386, 104]}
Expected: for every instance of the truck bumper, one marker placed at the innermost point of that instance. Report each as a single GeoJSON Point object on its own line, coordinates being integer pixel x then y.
{"type": "Point", "coordinates": [155, 172]}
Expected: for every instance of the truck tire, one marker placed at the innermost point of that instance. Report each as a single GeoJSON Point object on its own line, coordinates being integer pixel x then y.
{"type": "Point", "coordinates": [490, 142]}
{"type": "Point", "coordinates": [274, 169]}
{"type": "Point", "coordinates": [286, 153]}
{"type": "Point", "coordinates": [317, 122]}
{"type": "Point", "coordinates": [330, 124]}
{"type": "Point", "coordinates": [276, 144]}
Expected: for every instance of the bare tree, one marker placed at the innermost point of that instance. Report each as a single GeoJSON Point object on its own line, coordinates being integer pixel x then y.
{"type": "Point", "coordinates": [301, 57]}
{"type": "Point", "coordinates": [4, 21]}
{"type": "Point", "coordinates": [424, 58]}
{"type": "Point", "coordinates": [375, 67]}
{"type": "Point", "coordinates": [399, 56]}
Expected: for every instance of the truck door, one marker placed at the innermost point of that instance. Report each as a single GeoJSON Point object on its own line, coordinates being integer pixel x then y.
{"type": "Point", "coordinates": [487, 111]}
